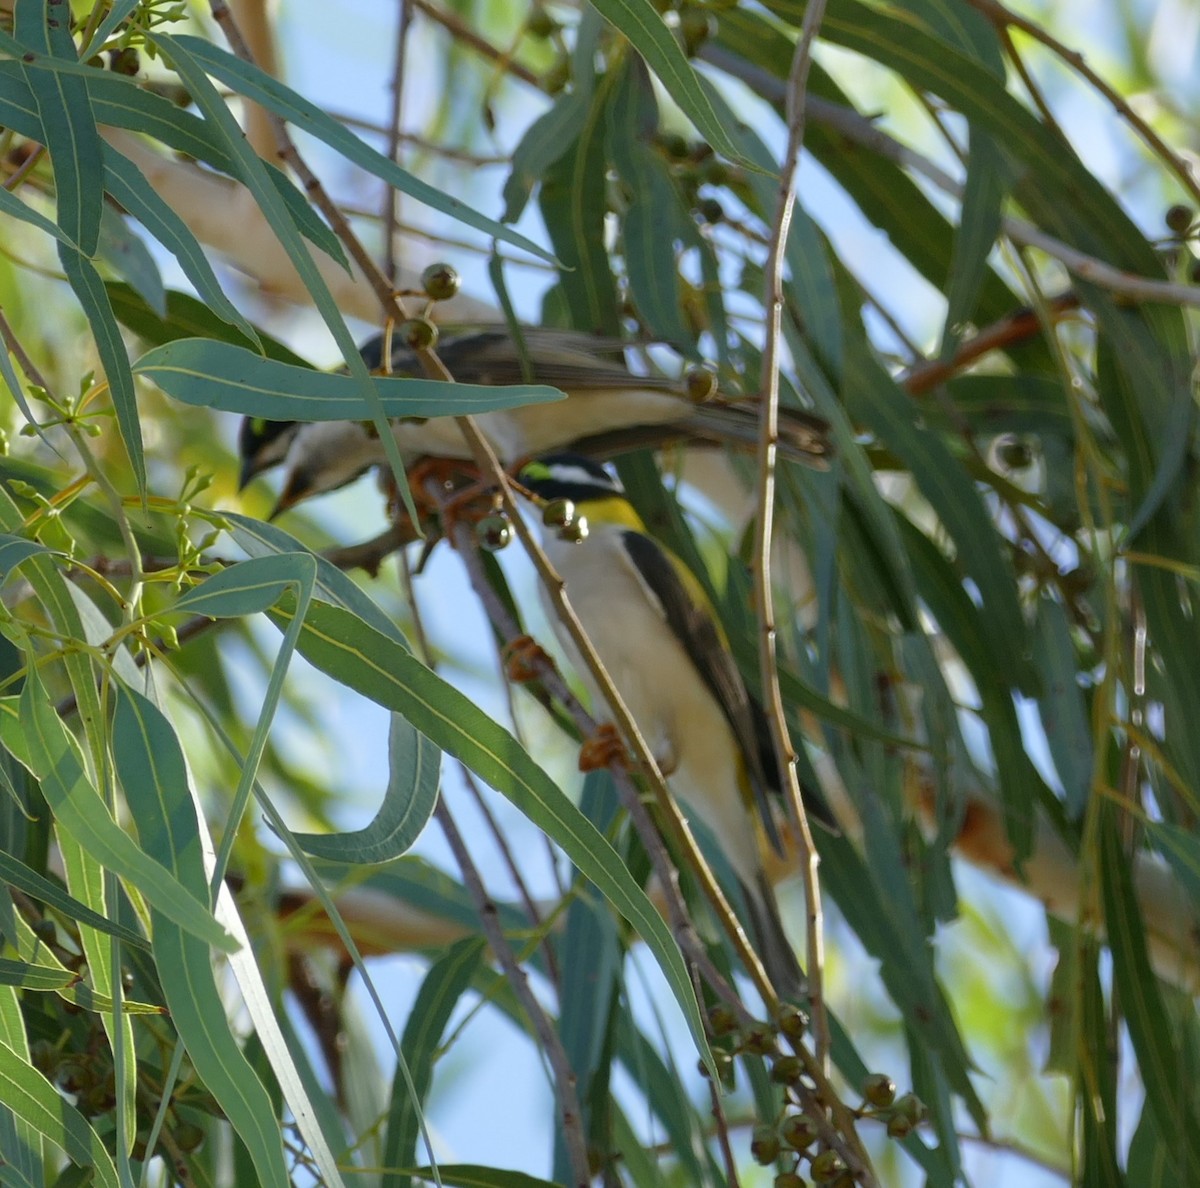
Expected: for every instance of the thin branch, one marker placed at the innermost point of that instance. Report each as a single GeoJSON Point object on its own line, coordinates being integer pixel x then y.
{"type": "Point", "coordinates": [857, 128]}
{"type": "Point", "coordinates": [564, 1079]}
{"type": "Point", "coordinates": [763, 590]}
{"type": "Point", "coordinates": [510, 864]}
{"type": "Point", "coordinates": [462, 32]}
{"type": "Point", "coordinates": [312, 186]}
{"type": "Point", "coordinates": [391, 201]}
{"type": "Point", "coordinates": [1016, 327]}
{"type": "Point", "coordinates": [1001, 16]}
{"type": "Point", "coordinates": [676, 911]}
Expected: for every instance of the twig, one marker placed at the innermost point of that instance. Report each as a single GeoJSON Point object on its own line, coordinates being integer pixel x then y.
{"type": "Point", "coordinates": [673, 818]}
{"type": "Point", "coordinates": [857, 128]}
{"type": "Point", "coordinates": [767, 446]}
{"type": "Point", "coordinates": [391, 203]}
{"type": "Point", "coordinates": [370, 554]}
{"type": "Point", "coordinates": [1019, 325]}
{"type": "Point", "coordinates": [631, 801]}
{"type": "Point", "coordinates": [510, 863]}
{"type": "Point", "coordinates": [461, 32]}
{"type": "Point", "coordinates": [1002, 16]}
{"type": "Point", "coordinates": [288, 152]}
{"type": "Point", "coordinates": [564, 1079]}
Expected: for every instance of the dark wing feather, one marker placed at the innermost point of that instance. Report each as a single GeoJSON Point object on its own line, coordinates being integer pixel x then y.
{"type": "Point", "coordinates": [696, 629]}
{"type": "Point", "coordinates": [564, 358]}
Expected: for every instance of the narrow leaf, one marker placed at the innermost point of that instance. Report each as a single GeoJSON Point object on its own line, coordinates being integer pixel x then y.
{"type": "Point", "coordinates": [52, 754]}
{"type": "Point", "coordinates": [38, 1104]}
{"type": "Point", "coordinates": [351, 652]}
{"type": "Point", "coordinates": [447, 980]}
{"type": "Point", "coordinates": [637, 20]}
{"type": "Point", "coordinates": [414, 767]}
{"type": "Point", "coordinates": [220, 375]}
{"type": "Point", "coordinates": [89, 289]}
{"type": "Point", "coordinates": [252, 82]}
{"type": "Point", "coordinates": [150, 765]}
{"type": "Point", "coordinates": [68, 124]}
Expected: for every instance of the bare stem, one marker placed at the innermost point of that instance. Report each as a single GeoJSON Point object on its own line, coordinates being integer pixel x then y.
{"type": "Point", "coordinates": [857, 128]}
{"type": "Point", "coordinates": [767, 445]}
{"type": "Point", "coordinates": [564, 1078]}
{"type": "Point", "coordinates": [631, 801]}
{"type": "Point", "coordinates": [1004, 17]}
{"type": "Point", "coordinates": [673, 819]}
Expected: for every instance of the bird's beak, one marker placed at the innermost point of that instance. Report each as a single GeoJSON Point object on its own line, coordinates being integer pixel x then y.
{"type": "Point", "coordinates": [295, 490]}
{"type": "Point", "coordinates": [247, 474]}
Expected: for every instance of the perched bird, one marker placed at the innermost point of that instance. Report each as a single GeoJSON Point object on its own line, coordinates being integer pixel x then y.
{"type": "Point", "coordinates": [657, 636]}
{"type": "Point", "coordinates": [604, 398]}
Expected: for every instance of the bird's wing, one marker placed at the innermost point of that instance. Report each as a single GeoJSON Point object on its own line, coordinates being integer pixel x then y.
{"type": "Point", "coordinates": [565, 358]}
{"type": "Point", "coordinates": [693, 624]}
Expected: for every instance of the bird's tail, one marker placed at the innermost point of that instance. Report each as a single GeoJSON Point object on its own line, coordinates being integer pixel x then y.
{"type": "Point", "coordinates": [803, 436]}
{"type": "Point", "coordinates": [771, 943]}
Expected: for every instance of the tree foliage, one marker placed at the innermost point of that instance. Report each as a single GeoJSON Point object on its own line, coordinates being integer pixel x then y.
{"type": "Point", "coordinates": [985, 636]}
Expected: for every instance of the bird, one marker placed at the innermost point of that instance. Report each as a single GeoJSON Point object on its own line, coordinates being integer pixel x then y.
{"type": "Point", "coordinates": [659, 639]}
{"type": "Point", "coordinates": [604, 399]}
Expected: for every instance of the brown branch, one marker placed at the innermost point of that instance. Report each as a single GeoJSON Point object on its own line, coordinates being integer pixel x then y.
{"type": "Point", "coordinates": [763, 589]}
{"type": "Point", "coordinates": [462, 32]}
{"type": "Point", "coordinates": [570, 1110]}
{"type": "Point", "coordinates": [857, 128]}
{"type": "Point", "coordinates": [557, 688]}
{"type": "Point", "coordinates": [1001, 16]}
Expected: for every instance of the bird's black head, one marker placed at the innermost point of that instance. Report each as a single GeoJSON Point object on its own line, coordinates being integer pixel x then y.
{"type": "Point", "coordinates": [262, 444]}
{"type": "Point", "coordinates": [569, 476]}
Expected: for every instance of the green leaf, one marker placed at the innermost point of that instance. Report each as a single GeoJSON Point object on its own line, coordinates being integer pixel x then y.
{"type": "Point", "coordinates": [980, 646]}
{"type": "Point", "coordinates": [887, 196]}
{"type": "Point", "coordinates": [220, 375]}
{"type": "Point", "coordinates": [348, 650]}
{"type": "Point", "coordinates": [332, 585]}
{"type": "Point", "coordinates": [151, 768]}
{"type": "Point", "coordinates": [590, 963]}
{"type": "Point", "coordinates": [12, 206]}
{"type": "Point", "coordinates": [188, 317]}
{"type": "Point", "coordinates": [647, 33]}
{"type": "Point", "coordinates": [34, 977]}
{"type": "Point", "coordinates": [447, 980]}
{"type": "Point", "coordinates": [810, 281]}
{"type": "Point", "coordinates": [250, 170]}
{"type": "Point", "coordinates": [247, 79]}
{"type": "Point", "coordinates": [128, 185]}
{"type": "Point", "coordinates": [987, 186]}
{"type": "Point", "coordinates": [15, 549]}
{"type": "Point", "coordinates": [574, 208]}
{"type": "Point", "coordinates": [117, 13]}
{"type": "Point", "coordinates": [545, 140]}
{"type": "Point", "coordinates": [470, 1175]}
{"type": "Point", "coordinates": [19, 1141]}
{"type": "Point", "coordinates": [37, 1103]}
{"type": "Point", "coordinates": [89, 288]}
{"type": "Point", "coordinates": [42, 742]}
{"type": "Point", "coordinates": [16, 874]}
{"type": "Point", "coordinates": [68, 126]}
{"type": "Point", "coordinates": [246, 587]}
{"type": "Point", "coordinates": [125, 253]}
{"type": "Point", "coordinates": [655, 220]}
{"type": "Point", "coordinates": [1170, 1093]}
{"type": "Point", "coordinates": [893, 416]}
{"type": "Point", "coordinates": [98, 888]}
{"type": "Point", "coordinates": [414, 767]}
{"type": "Point", "coordinates": [1064, 716]}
